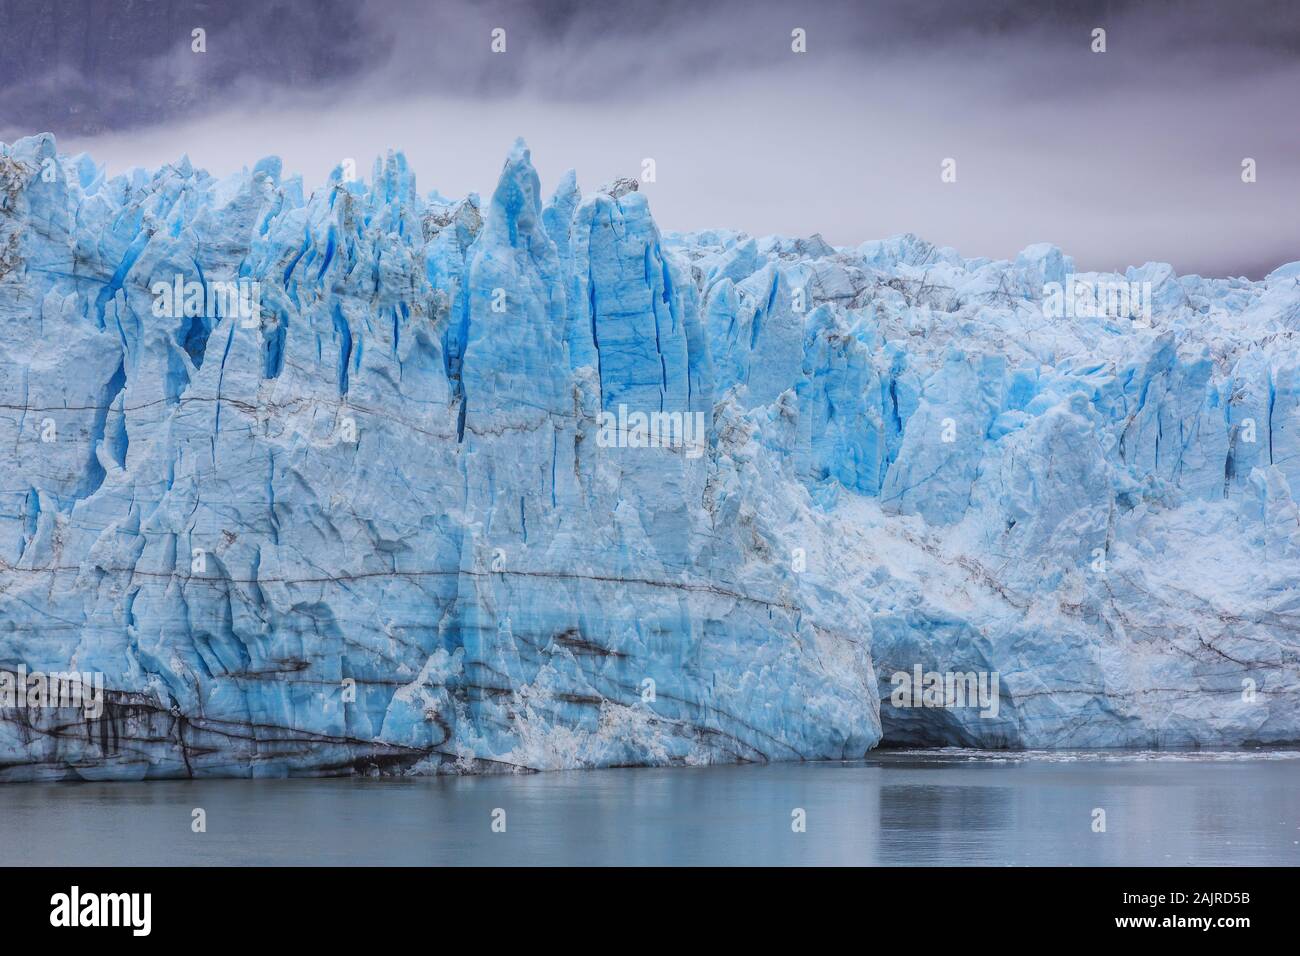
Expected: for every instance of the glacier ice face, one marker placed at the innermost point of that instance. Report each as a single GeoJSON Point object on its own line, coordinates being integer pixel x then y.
{"type": "Point", "coordinates": [378, 521]}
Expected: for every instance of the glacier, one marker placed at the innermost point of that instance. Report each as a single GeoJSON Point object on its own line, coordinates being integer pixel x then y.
{"type": "Point", "coordinates": [372, 526]}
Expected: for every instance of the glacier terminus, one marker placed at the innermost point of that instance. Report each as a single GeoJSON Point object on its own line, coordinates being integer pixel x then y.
{"type": "Point", "coordinates": [370, 480]}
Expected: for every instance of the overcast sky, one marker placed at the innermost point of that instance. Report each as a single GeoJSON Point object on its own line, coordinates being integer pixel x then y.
{"type": "Point", "coordinates": [1119, 157]}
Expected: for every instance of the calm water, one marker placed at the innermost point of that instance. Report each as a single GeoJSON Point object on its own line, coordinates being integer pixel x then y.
{"type": "Point", "coordinates": [897, 808]}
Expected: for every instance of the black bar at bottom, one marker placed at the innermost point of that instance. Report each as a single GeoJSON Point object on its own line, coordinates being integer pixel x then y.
{"type": "Point", "coordinates": [336, 906]}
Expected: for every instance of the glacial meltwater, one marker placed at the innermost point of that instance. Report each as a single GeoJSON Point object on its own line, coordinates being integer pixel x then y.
{"type": "Point", "coordinates": [896, 808]}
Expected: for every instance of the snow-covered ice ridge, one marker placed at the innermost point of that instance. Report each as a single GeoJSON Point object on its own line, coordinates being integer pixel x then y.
{"type": "Point", "coordinates": [373, 524]}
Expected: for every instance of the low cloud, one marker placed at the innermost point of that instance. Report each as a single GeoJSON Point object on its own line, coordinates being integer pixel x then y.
{"type": "Point", "coordinates": [1119, 158]}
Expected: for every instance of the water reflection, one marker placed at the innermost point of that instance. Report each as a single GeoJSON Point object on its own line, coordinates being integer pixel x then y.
{"type": "Point", "coordinates": [895, 809]}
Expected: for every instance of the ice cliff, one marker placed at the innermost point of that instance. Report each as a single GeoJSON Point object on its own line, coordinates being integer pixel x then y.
{"type": "Point", "coordinates": [378, 523]}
